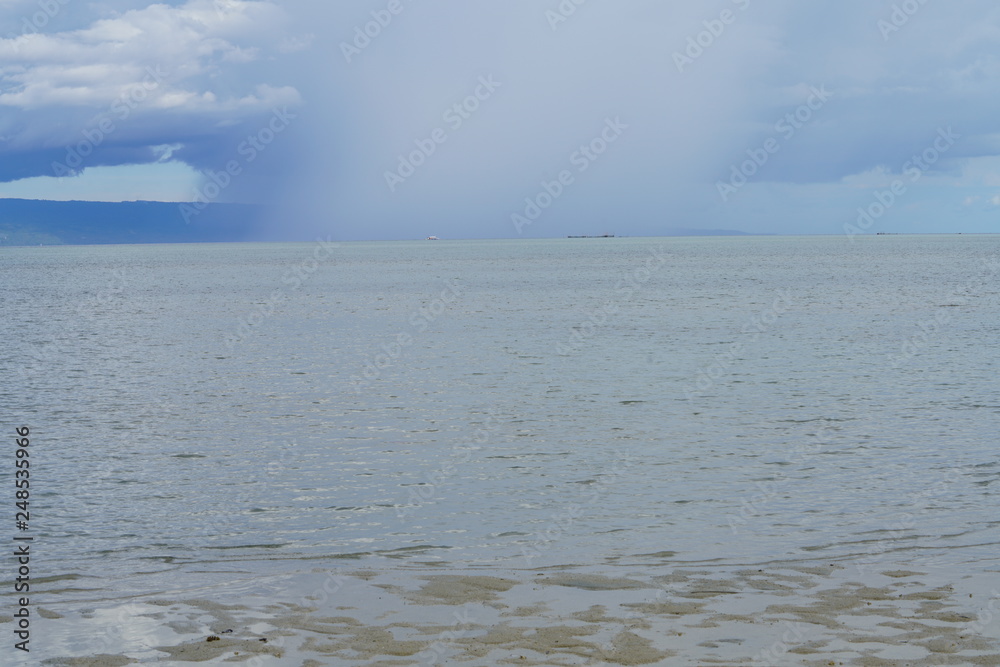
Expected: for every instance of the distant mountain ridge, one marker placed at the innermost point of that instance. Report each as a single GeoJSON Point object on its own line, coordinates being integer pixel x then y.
{"type": "Point", "coordinates": [40, 222]}
{"type": "Point", "coordinates": [34, 222]}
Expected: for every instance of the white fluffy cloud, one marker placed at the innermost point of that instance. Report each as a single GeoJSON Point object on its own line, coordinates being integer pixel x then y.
{"type": "Point", "coordinates": [160, 74]}
{"type": "Point", "coordinates": [93, 66]}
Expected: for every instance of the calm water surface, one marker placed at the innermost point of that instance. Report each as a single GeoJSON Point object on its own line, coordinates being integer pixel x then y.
{"type": "Point", "coordinates": [200, 410]}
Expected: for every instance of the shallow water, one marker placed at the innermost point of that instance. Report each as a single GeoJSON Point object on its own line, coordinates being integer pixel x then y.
{"type": "Point", "coordinates": [203, 412]}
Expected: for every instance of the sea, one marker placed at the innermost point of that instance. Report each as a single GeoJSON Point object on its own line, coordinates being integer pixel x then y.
{"type": "Point", "coordinates": [207, 417]}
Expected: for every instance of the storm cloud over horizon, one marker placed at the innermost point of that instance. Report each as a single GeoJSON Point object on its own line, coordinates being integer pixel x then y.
{"type": "Point", "coordinates": [403, 118]}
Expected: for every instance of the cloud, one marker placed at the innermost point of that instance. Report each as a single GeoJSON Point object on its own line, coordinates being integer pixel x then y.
{"type": "Point", "coordinates": [687, 128]}
{"type": "Point", "coordinates": [118, 87]}
{"type": "Point", "coordinates": [368, 82]}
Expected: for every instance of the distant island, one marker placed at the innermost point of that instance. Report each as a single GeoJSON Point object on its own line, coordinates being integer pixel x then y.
{"type": "Point", "coordinates": [37, 222]}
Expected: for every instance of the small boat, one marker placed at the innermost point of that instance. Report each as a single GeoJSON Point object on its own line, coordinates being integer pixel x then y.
{"type": "Point", "coordinates": [433, 238]}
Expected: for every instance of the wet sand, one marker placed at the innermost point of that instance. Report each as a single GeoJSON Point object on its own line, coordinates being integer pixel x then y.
{"type": "Point", "coordinates": [778, 614]}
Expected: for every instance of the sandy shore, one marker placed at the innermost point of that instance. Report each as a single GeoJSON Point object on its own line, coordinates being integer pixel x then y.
{"type": "Point", "coordinates": [777, 614]}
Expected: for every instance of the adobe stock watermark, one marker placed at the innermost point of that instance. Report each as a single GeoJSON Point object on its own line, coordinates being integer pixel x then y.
{"type": "Point", "coordinates": [625, 290]}
{"type": "Point", "coordinates": [32, 24]}
{"type": "Point", "coordinates": [985, 616]}
{"type": "Point", "coordinates": [420, 320]}
{"type": "Point", "coordinates": [460, 454]}
{"type": "Point", "coordinates": [582, 159]}
{"type": "Point", "coordinates": [775, 653]}
{"type": "Point", "coordinates": [916, 502]}
{"type": "Point", "coordinates": [900, 16]}
{"type": "Point", "coordinates": [752, 330]}
{"type": "Point", "coordinates": [105, 126]}
{"type": "Point", "coordinates": [321, 595]}
{"type": "Point", "coordinates": [913, 169]}
{"type": "Point", "coordinates": [105, 303]}
{"type": "Point", "coordinates": [249, 150]}
{"type": "Point", "coordinates": [931, 326]}
{"type": "Point", "coordinates": [294, 277]}
{"type": "Point", "coordinates": [699, 43]}
{"type": "Point", "coordinates": [561, 14]}
{"type": "Point", "coordinates": [225, 8]}
{"type": "Point", "coordinates": [105, 298]}
{"type": "Point", "coordinates": [753, 507]}
{"type": "Point", "coordinates": [563, 520]}
{"type": "Point", "coordinates": [786, 127]}
{"type": "Point", "coordinates": [627, 620]}
{"type": "Point", "coordinates": [455, 116]}
{"type": "Point", "coordinates": [363, 35]}
{"type": "Point", "coordinates": [113, 631]}
{"type": "Point", "coordinates": [460, 628]}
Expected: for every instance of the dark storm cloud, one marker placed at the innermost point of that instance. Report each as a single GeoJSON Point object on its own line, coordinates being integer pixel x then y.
{"type": "Point", "coordinates": [393, 133]}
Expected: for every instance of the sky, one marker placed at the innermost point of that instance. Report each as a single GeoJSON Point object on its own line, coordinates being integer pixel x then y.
{"type": "Point", "coordinates": [397, 119]}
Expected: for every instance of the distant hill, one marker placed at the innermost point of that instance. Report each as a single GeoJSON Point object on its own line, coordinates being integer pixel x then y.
{"type": "Point", "coordinates": [33, 222]}
{"type": "Point", "coordinates": [37, 222]}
